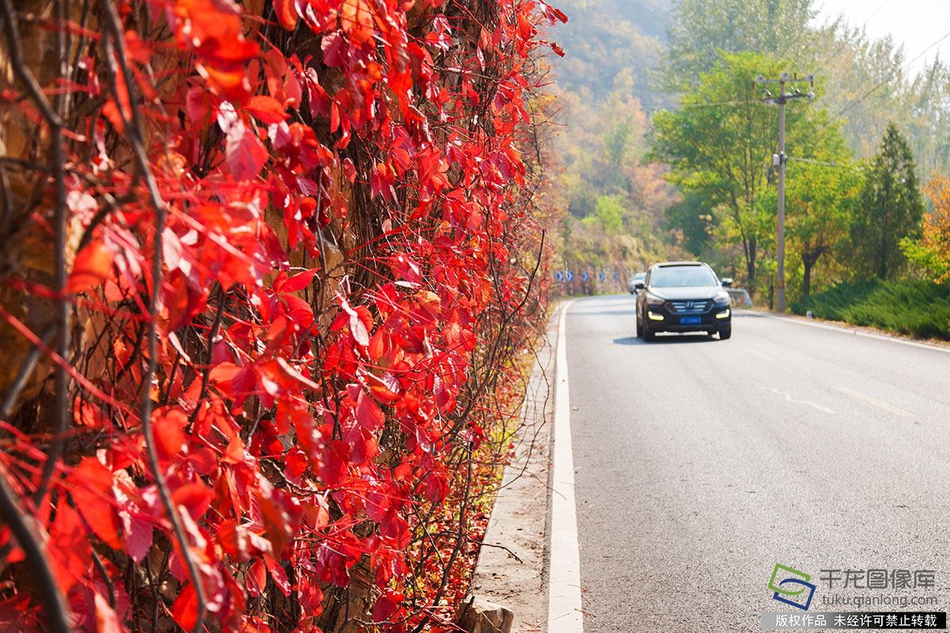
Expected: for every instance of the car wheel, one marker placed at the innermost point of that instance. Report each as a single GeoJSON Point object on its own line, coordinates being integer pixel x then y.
{"type": "Point", "coordinates": [726, 333]}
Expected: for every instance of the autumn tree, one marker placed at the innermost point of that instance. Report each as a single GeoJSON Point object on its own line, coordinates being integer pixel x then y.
{"type": "Point", "coordinates": [931, 254]}
{"type": "Point", "coordinates": [890, 209]}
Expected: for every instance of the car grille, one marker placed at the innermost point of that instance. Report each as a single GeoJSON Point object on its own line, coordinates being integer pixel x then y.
{"type": "Point", "coordinates": [690, 307]}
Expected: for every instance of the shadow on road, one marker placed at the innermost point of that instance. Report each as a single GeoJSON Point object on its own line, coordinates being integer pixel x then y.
{"type": "Point", "coordinates": [668, 339]}
{"type": "Point", "coordinates": [596, 312]}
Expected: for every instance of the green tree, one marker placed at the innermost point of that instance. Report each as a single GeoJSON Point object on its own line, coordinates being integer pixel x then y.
{"type": "Point", "coordinates": [821, 190]}
{"type": "Point", "coordinates": [891, 209]}
{"type": "Point", "coordinates": [720, 145]}
{"type": "Point", "coordinates": [608, 213]}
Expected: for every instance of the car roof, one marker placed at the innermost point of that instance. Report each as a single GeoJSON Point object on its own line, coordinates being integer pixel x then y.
{"type": "Point", "coordinates": [673, 264]}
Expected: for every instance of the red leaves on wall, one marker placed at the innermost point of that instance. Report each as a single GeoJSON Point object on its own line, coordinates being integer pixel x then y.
{"type": "Point", "coordinates": [341, 184]}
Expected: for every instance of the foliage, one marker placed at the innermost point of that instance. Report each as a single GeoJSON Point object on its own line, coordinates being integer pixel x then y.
{"type": "Point", "coordinates": [720, 144]}
{"type": "Point", "coordinates": [821, 196]}
{"type": "Point", "coordinates": [932, 253]}
{"type": "Point", "coordinates": [608, 214]}
{"type": "Point", "coordinates": [916, 308]}
{"type": "Point", "coordinates": [704, 34]}
{"type": "Point", "coordinates": [285, 254]}
{"type": "Point", "coordinates": [615, 199]}
{"type": "Point", "coordinates": [891, 209]}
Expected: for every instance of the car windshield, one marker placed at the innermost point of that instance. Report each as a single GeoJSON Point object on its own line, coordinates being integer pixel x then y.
{"type": "Point", "coordinates": [639, 276]}
{"type": "Point", "coordinates": [682, 277]}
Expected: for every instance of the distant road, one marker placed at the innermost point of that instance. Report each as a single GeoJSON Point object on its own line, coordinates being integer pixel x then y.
{"type": "Point", "coordinates": [701, 463]}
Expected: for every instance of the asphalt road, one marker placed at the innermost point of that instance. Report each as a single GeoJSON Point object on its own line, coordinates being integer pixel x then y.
{"type": "Point", "coordinates": [701, 463]}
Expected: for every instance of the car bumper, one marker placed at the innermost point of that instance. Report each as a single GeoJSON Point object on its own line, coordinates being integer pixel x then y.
{"type": "Point", "coordinates": [715, 320]}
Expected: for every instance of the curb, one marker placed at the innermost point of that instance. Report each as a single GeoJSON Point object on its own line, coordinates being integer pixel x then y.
{"type": "Point", "coordinates": [511, 569]}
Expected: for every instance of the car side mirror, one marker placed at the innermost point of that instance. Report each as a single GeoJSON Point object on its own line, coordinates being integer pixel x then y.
{"type": "Point", "coordinates": [727, 282]}
{"type": "Point", "coordinates": [639, 285]}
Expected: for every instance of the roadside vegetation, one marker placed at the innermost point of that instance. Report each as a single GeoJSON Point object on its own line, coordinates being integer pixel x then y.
{"type": "Point", "coordinates": [911, 307]}
{"type": "Point", "coordinates": [267, 274]}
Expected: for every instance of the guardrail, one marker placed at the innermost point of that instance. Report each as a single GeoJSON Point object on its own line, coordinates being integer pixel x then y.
{"type": "Point", "coordinates": [740, 294]}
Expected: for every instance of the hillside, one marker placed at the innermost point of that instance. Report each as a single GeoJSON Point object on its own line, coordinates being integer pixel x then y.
{"type": "Point", "coordinates": [606, 37]}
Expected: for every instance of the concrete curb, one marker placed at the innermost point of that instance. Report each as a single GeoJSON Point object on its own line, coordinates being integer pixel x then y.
{"type": "Point", "coordinates": [511, 568]}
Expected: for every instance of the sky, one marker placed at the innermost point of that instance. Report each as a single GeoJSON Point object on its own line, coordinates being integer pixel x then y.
{"type": "Point", "coordinates": [917, 24]}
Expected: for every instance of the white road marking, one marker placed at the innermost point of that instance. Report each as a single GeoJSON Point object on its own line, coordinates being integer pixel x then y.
{"type": "Point", "coordinates": [875, 402]}
{"type": "Point", "coordinates": [565, 614]}
{"type": "Point", "coordinates": [850, 330]}
{"type": "Point", "coordinates": [789, 398]}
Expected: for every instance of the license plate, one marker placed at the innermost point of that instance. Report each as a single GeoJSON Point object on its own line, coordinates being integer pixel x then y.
{"type": "Point", "coordinates": [690, 320]}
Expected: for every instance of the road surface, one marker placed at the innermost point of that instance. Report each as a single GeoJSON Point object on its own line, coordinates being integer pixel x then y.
{"type": "Point", "coordinates": [700, 464]}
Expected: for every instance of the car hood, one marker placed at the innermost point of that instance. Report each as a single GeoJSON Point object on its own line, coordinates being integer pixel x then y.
{"type": "Point", "coordinates": [689, 292]}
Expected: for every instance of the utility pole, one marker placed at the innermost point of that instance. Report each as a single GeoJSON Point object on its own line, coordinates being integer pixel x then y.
{"type": "Point", "coordinates": [779, 160]}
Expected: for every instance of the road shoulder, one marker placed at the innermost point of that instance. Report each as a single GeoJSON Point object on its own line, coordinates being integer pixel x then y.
{"type": "Point", "coordinates": [511, 569]}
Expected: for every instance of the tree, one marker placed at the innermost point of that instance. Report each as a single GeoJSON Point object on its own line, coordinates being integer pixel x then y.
{"type": "Point", "coordinates": [890, 209]}
{"type": "Point", "coordinates": [608, 213]}
{"type": "Point", "coordinates": [822, 186]}
{"type": "Point", "coordinates": [704, 33]}
{"type": "Point", "coordinates": [720, 144]}
{"type": "Point", "coordinates": [931, 255]}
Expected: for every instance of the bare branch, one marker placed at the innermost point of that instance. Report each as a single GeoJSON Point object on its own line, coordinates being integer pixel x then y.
{"type": "Point", "coordinates": [117, 59]}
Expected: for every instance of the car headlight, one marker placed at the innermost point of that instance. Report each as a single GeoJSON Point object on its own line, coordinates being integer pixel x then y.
{"type": "Point", "coordinates": [722, 298]}
{"type": "Point", "coordinates": [654, 300]}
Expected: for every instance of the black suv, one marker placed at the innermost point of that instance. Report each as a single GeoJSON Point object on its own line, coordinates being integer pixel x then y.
{"type": "Point", "coordinates": [683, 297]}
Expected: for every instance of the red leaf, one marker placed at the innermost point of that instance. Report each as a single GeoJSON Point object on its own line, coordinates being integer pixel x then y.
{"type": "Point", "coordinates": [256, 578]}
{"type": "Point", "coordinates": [198, 105]}
{"type": "Point", "coordinates": [91, 488]}
{"type": "Point", "coordinates": [92, 268]}
{"type": "Point", "coordinates": [266, 109]}
{"type": "Point", "coordinates": [185, 609]}
{"type": "Point", "coordinates": [196, 497]}
{"type": "Point", "coordinates": [278, 574]}
{"type": "Point", "coordinates": [357, 19]}
{"type": "Point", "coordinates": [436, 487]}
{"type": "Point", "coordinates": [296, 283]}
{"type": "Point", "coordinates": [276, 522]}
{"type": "Point", "coordinates": [138, 537]}
{"type": "Point", "coordinates": [334, 462]}
{"type": "Point", "coordinates": [69, 548]}
{"type": "Point", "coordinates": [286, 11]}
{"type": "Point", "coordinates": [385, 609]}
{"type": "Point", "coordinates": [245, 154]}
{"type": "Point", "coordinates": [111, 112]}
{"type": "Point", "coordinates": [168, 427]}
{"type": "Point", "coordinates": [368, 413]}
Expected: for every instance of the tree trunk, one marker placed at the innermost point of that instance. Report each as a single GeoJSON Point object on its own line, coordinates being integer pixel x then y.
{"type": "Point", "coordinates": [806, 281]}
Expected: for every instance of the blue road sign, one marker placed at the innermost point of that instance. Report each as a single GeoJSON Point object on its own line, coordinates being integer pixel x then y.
{"type": "Point", "coordinates": [616, 276]}
{"type": "Point", "coordinates": [585, 276]}
{"type": "Point", "coordinates": [570, 275]}
{"type": "Point", "coordinates": [603, 276]}
{"type": "Point", "coordinates": [559, 275]}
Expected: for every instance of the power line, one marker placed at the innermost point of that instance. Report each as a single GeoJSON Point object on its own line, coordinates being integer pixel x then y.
{"type": "Point", "coordinates": [876, 11]}
{"type": "Point", "coordinates": [888, 78]}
